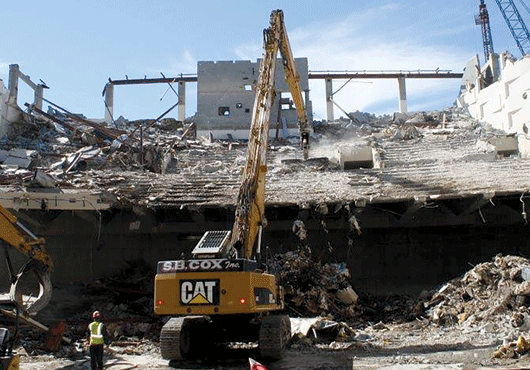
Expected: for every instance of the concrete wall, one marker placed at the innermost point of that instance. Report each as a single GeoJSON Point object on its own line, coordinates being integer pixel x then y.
{"type": "Point", "coordinates": [381, 260]}
{"type": "Point", "coordinates": [4, 95]}
{"type": "Point", "coordinates": [225, 98]}
{"type": "Point", "coordinates": [505, 103]}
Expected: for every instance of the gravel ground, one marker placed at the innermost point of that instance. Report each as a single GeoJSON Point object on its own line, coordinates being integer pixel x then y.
{"type": "Point", "coordinates": [414, 345]}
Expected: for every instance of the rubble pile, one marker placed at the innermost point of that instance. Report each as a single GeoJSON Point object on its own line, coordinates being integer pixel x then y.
{"type": "Point", "coordinates": [58, 143]}
{"type": "Point", "coordinates": [313, 289]}
{"type": "Point", "coordinates": [156, 163]}
{"type": "Point", "coordinates": [513, 349]}
{"type": "Point", "coordinates": [125, 300]}
{"type": "Point", "coordinates": [491, 291]}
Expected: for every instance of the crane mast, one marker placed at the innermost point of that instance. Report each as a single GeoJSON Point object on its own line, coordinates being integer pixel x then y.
{"type": "Point", "coordinates": [483, 19]}
{"type": "Point", "coordinates": [516, 24]}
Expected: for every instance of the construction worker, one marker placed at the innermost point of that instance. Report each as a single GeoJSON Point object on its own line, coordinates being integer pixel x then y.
{"type": "Point", "coordinates": [97, 338]}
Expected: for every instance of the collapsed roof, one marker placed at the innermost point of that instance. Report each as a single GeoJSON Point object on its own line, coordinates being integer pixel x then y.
{"type": "Point", "coordinates": [418, 158]}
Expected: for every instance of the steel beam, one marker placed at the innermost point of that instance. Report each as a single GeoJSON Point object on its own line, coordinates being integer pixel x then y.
{"type": "Point", "coordinates": [383, 74]}
{"type": "Point", "coordinates": [141, 81]}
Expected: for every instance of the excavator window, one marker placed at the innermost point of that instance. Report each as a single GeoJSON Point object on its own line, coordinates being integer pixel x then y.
{"type": "Point", "coordinates": [4, 341]}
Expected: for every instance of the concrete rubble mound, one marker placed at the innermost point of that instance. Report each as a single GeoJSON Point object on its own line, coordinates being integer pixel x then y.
{"type": "Point", "coordinates": [491, 295]}
{"type": "Point", "coordinates": [313, 288]}
{"type": "Point", "coordinates": [488, 292]}
{"type": "Point", "coordinates": [158, 163]}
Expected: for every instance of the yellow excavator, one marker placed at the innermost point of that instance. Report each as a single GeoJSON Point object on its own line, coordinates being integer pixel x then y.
{"type": "Point", "coordinates": [221, 294]}
{"type": "Point", "coordinates": [37, 271]}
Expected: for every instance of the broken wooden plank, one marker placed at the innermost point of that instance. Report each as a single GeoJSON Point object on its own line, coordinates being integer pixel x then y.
{"type": "Point", "coordinates": [30, 321]}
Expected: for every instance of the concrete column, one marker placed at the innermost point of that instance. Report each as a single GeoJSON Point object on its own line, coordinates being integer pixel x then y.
{"type": "Point", "coordinates": [309, 110]}
{"type": "Point", "coordinates": [402, 95]}
{"type": "Point", "coordinates": [182, 101]}
{"type": "Point", "coordinates": [4, 95]}
{"type": "Point", "coordinates": [109, 102]}
{"type": "Point", "coordinates": [329, 97]}
{"type": "Point", "coordinates": [13, 112]}
{"type": "Point", "coordinates": [39, 92]}
{"type": "Point", "coordinates": [13, 84]}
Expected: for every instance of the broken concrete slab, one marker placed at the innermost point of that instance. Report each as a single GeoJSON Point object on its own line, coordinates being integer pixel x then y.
{"type": "Point", "coordinates": [505, 145]}
{"type": "Point", "coordinates": [356, 156]}
{"type": "Point", "coordinates": [19, 157]}
{"type": "Point", "coordinates": [44, 180]}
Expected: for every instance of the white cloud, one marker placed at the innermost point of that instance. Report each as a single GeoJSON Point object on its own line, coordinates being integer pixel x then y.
{"type": "Point", "coordinates": [248, 51]}
{"type": "Point", "coordinates": [369, 40]}
{"type": "Point", "coordinates": [185, 63]}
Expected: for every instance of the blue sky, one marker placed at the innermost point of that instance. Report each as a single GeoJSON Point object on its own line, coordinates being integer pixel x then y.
{"type": "Point", "coordinates": [75, 46]}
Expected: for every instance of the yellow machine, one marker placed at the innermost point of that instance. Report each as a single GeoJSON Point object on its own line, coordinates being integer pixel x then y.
{"type": "Point", "coordinates": [15, 235]}
{"type": "Point", "coordinates": [220, 294]}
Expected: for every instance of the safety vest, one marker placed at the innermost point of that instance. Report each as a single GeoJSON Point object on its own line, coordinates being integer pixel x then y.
{"type": "Point", "coordinates": [96, 334]}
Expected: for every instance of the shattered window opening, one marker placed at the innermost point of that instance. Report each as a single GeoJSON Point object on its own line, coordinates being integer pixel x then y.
{"type": "Point", "coordinates": [224, 111]}
{"type": "Point", "coordinates": [286, 101]}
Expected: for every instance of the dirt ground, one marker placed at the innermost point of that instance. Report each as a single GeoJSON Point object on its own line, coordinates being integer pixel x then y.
{"type": "Point", "coordinates": [413, 345]}
{"type": "Point", "coordinates": [476, 321]}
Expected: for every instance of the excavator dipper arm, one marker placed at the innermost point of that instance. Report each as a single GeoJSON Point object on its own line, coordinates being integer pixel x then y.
{"type": "Point", "coordinates": [293, 79]}
{"type": "Point", "coordinates": [15, 235]}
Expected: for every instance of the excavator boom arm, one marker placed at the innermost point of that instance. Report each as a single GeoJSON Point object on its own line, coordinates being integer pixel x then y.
{"type": "Point", "coordinates": [251, 199]}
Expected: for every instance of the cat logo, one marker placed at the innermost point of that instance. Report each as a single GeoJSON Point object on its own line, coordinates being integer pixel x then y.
{"type": "Point", "coordinates": [199, 292]}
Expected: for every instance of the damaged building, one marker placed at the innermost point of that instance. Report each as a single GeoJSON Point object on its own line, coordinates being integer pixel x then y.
{"type": "Point", "coordinates": [406, 202]}
{"type": "Point", "coordinates": [225, 98]}
{"type": "Point", "coordinates": [438, 197]}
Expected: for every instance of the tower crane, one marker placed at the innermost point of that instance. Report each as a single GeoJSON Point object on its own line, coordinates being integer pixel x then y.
{"type": "Point", "coordinates": [483, 19]}
{"type": "Point", "coordinates": [516, 24]}
{"type": "Point", "coordinates": [514, 21]}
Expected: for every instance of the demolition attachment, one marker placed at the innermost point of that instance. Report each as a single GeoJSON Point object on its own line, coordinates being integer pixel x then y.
{"type": "Point", "coordinates": [37, 271]}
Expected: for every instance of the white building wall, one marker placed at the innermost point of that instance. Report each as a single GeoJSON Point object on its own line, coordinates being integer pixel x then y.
{"type": "Point", "coordinates": [505, 104]}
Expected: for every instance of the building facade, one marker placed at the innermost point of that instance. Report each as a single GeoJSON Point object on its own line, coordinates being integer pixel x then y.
{"type": "Point", "coordinates": [225, 99]}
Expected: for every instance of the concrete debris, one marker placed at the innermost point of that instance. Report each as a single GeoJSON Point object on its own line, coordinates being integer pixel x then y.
{"type": "Point", "coordinates": [513, 349]}
{"type": "Point", "coordinates": [488, 293]}
{"type": "Point", "coordinates": [125, 300]}
{"type": "Point", "coordinates": [321, 331]}
{"type": "Point", "coordinates": [123, 159]}
{"type": "Point", "coordinates": [300, 230]}
{"type": "Point", "coordinates": [313, 289]}
{"type": "Point", "coordinates": [58, 139]}
{"type": "Point", "coordinates": [405, 131]}
{"type": "Point", "coordinates": [19, 158]}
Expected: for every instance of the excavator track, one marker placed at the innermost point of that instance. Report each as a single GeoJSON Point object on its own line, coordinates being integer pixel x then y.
{"type": "Point", "coordinates": [183, 338]}
{"type": "Point", "coordinates": [274, 334]}
{"type": "Point", "coordinates": [170, 339]}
